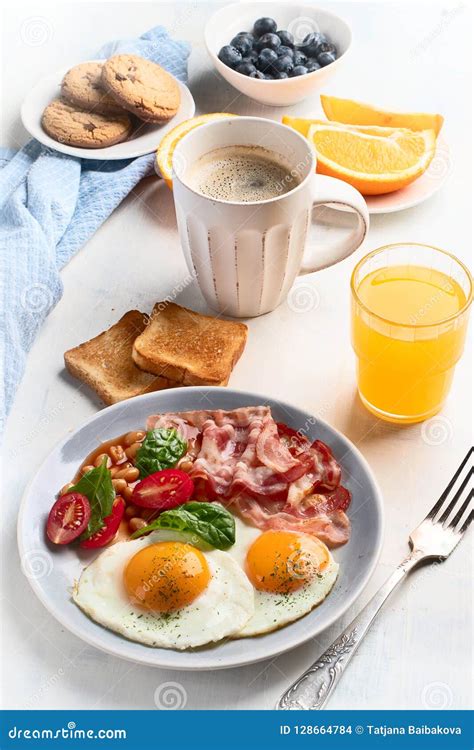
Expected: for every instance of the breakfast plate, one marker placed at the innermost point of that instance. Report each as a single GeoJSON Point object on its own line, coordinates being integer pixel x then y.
{"type": "Point", "coordinates": [143, 140]}
{"type": "Point", "coordinates": [52, 570]}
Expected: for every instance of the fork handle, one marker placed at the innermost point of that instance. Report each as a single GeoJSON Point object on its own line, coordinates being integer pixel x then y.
{"type": "Point", "coordinates": [312, 690]}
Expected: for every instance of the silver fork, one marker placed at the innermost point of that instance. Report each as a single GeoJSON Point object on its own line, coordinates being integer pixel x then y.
{"type": "Point", "coordinates": [435, 538]}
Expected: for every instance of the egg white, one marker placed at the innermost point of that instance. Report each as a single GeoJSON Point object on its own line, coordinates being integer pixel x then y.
{"type": "Point", "coordinates": [218, 612]}
{"type": "Point", "coordinates": [272, 611]}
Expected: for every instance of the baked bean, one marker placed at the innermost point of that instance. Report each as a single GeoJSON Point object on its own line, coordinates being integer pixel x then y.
{"type": "Point", "coordinates": [66, 488]}
{"type": "Point", "coordinates": [130, 474]}
{"type": "Point", "coordinates": [114, 470]}
{"type": "Point", "coordinates": [136, 523]}
{"type": "Point", "coordinates": [127, 492]}
{"type": "Point", "coordinates": [132, 450]}
{"type": "Point", "coordinates": [117, 454]}
{"type": "Point", "coordinates": [87, 468]}
{"type": "Point", "coordinates": [131, 510]}
{"type": "Point", "coordinates": [133, 437]}
{"type": "Point", "coordinates": [120, 486]}
{"type": "Point", "coordinates": [100, 459]}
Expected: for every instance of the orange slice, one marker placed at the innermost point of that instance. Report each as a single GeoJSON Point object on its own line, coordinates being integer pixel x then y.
{"type": "Point", "coordinates": [303, 125]}
{"type": "Point", "coordinates": [164, 152]}
{"type": "Point", "coordinates": [374, 163]}
{"type": "Point", "coordinates": [357, 113]}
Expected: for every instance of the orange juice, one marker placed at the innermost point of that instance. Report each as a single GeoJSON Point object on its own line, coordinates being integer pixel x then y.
{"type": "Point", "coordinates": [408, 331]}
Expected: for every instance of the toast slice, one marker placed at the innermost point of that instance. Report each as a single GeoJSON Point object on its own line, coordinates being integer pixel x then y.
{"type": "Point", "coordinates": [105, 362]}
{"type": "Point", "coordinates": [187, 347]}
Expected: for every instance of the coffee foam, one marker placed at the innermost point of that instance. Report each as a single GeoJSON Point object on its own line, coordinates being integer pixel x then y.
{"type": "Point", "coordinates": [241, 174]}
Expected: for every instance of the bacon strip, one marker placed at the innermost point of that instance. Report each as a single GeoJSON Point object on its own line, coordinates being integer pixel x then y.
{"type": "Point", "coordinates": [273, 476]}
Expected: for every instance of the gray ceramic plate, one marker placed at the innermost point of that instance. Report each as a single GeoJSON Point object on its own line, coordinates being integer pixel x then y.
{"type": "Point", "coordinates": [52, 571]}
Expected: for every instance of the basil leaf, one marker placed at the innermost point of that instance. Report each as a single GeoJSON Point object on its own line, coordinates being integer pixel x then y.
{"type": "Point", "coordinates": [97, 486]}
{"type": "Point", "coordinates": [161, 449]}
{"type": "Point", "coordinates": [211, 522]}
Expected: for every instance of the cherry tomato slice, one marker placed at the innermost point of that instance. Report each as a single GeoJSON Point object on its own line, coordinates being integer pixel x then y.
{"type": "Point", "coordinates": [163, 490]}
{"type": "Point", "coordinates": [68, 518]}
{"type": "Point", "coordinates": [110, 528]}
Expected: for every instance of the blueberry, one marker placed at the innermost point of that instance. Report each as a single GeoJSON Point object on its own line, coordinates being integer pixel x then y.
{"type": "Point", "coordinates": [326, 58]}
{"type": "Point", "coordinates": [284, 51]}
{"type": "Point", "coordinates": [266, 59]}
{"type": "Point", "coordinates": [257, 74]}
{"type": "Point", "coordinates": [264, 26]}
{"type": "Point", "coordinates": [311, 43]}
{"type": "Point", "coordinates": [283, 64]}
{"type": "Point", "coordinates": [246, 68]}
{"type": "Point", "coordinates": [299, 58]}
{"type": "Point", "coordinates": [312, 65]}
{"type": "Point", "coordinates": [252, 57]}
{"type": "Point", "coordinates": [242, 43]}
{"type": "Point", "coordinates": [327, 47]}
{"type": "Point", "coordinates": [281, 74]}
{"type": "Point", "coordinates": [230, 56]}
{"type": "Point", "coordinates": [270, 41]}
{"type": "Point", "coordinates": [298, 70]}
{"type": "Point", "coordinates": [286, 38]}
{"type": "Point", "coordinates": [268, 76]}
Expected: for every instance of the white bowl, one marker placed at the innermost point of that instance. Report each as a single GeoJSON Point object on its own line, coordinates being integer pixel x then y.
{"type": "Point", "coordinates": [300, 20]}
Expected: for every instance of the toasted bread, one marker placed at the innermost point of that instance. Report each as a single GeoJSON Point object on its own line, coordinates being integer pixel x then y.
{"type": "Point", "coordinates": [187, 347]}
{"type": "Point", "coordinates": [105, 362]}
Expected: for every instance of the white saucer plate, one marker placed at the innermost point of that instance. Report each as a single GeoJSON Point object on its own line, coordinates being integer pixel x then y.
{"type": "Point", "coordinates": [143, 141]}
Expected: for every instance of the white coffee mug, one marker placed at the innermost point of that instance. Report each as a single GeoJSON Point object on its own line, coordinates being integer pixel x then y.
{"type": "Point", "coordinates": [246, 256]}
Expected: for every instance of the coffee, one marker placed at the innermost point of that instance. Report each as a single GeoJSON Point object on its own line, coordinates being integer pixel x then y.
{"type": "Point", "coordinates": [241, 174]}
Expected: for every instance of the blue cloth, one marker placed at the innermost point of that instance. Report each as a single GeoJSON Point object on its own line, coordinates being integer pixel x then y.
{"type": "Point", "coordinates": [50, 204]}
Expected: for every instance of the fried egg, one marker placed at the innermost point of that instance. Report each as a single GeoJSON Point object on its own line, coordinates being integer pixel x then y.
{"type": "Point", "coordinates": [164, 592]}
{"type": "Point", "coordinates": [290, 572]}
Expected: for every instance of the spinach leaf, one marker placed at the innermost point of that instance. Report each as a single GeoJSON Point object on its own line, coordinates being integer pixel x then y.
{"type": "Point", "coordinates": [161, 449]}
{"type": "Point", "coordinates": [211, 522]}
{"type": "Point", "coordinates": [97, 486]}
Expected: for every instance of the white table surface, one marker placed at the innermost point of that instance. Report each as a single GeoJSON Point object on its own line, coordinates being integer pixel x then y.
{"type": "Point", "coordinates": [408, 56]}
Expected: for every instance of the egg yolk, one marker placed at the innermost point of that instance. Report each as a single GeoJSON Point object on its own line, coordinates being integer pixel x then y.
{"type": "Point", "coordinates": [283, 561]}
{"type": "Point", "coordinates": [166, 576]}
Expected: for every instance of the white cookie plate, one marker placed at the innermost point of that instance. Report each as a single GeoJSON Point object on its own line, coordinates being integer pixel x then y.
{"type": "Point", "coordinates": [143, 141]}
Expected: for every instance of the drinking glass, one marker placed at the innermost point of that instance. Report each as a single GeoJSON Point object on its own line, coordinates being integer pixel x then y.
{"type": "Point", "coordinates": [405, 371]}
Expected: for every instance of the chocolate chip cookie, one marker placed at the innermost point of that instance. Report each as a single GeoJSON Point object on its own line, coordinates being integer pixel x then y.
{"type": "Point", "coordinates": [69, 124]}
{"type": "Point", "coordinates": [141, 87]}
{"type": "Point", "coordinates": [81, 87]}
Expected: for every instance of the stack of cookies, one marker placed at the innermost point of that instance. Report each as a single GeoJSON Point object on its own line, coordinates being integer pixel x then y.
{"type": "Point", "coordinates": [101, 103]}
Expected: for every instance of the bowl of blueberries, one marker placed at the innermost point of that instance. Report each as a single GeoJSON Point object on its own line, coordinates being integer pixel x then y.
{"type": "Point", "coordinates": [278, 60]}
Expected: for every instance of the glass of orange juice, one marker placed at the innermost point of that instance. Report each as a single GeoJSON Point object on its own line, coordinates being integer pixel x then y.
{"type": "Point", "coordinates": [410, 310]}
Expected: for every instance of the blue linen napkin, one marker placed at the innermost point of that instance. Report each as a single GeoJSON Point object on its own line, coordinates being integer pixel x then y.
{"type": "Point", "coordinates": [50, 204]}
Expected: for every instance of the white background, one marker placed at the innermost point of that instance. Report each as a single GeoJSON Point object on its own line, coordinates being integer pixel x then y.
{"type": "Point", "coordinates": [406, 56]}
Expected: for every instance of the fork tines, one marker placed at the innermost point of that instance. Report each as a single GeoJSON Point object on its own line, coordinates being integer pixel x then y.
{"type": "Point", "coordinates": [455, 506]}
